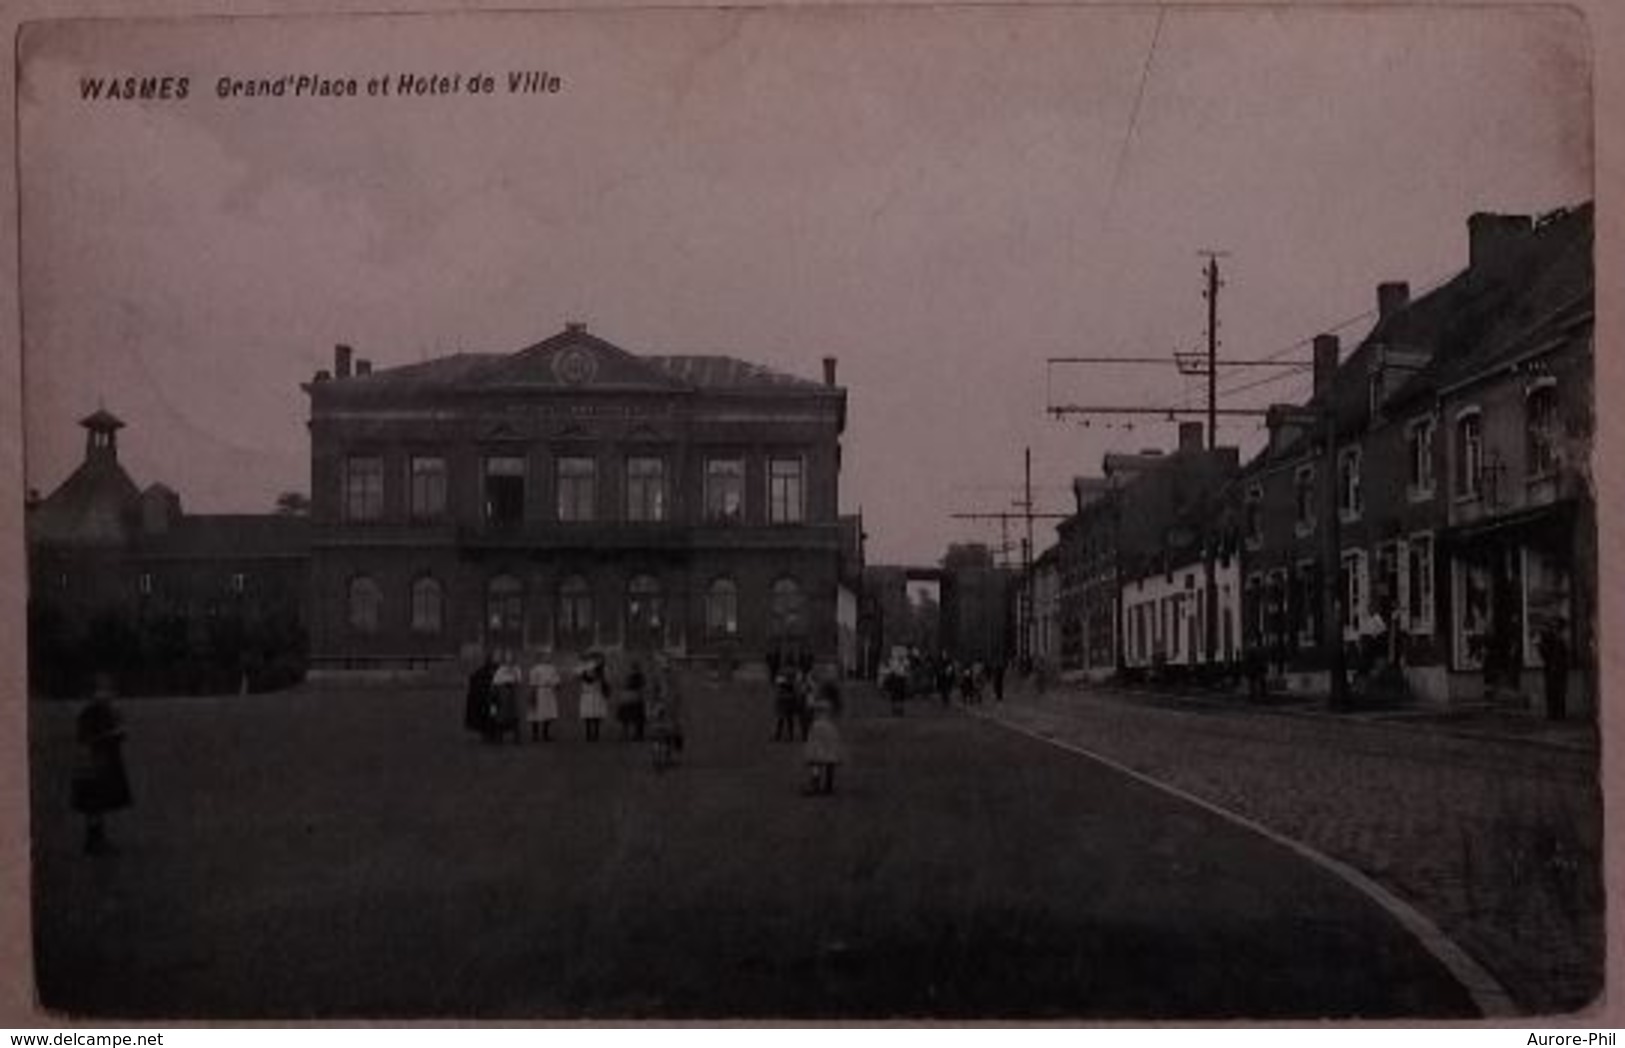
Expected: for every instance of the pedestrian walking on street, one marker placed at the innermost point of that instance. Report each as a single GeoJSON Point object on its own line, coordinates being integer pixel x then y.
{"type": "Point", "coordinates": [1554, 664]}
{"type": "Point", "coordinates": [477, 705]}
{"type": "Point", "coordinates": [544, 699]}
{"type": "Point", "coordinates": [630, 711]}
{"type": "Point", "coordinates": [998, 680]}
{"type": "Point", "coordinates": [945, 679]}
{"type": "Point", "coordinates": [894, 679]}
{"type": "Point", "coordinates": [669, 692]}
{"type": "Point", "coordinates": [822, 750]}
{"type": "Point", "coordinates": [100, 784]}
{"type": "Point", "coordinates": [806, 689]}
{"type": "Point", "coordinates": [505, 685]}
{"type": "Point", "coordinates": [594, 702]}
{"type": "Point", "coordinates": [784, 706]}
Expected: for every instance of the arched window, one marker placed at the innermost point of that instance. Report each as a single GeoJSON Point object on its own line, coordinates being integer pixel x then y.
{"type": "Point", "coordinates": [645, 610]}
{"type": "Point", "coordinates": [722, 609]}
{"type": "Point", "coordinates": [428, 601]}
{"type": "Point", "coordinates": [504, 605]}
{"type": "Point", "coordinates": [1540, 449]}
{"type": "Point", "coordinates": [575, 611]}
{"type": "Point", "coordinates": [788, 609]}
{"type": "Point", "coordinates": [366, 603]}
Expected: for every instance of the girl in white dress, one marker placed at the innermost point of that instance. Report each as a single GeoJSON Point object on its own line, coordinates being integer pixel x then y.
{"type": "Point", "coordinates": [544, 698]}
{"type": "Point", "coordinates": [594, 695]}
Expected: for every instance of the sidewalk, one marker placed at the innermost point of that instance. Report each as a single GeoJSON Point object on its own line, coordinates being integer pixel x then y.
{"type": "Point", "coordinates": [1479, 721]}
{"type": "Point", "coordinates": [1490, 823]}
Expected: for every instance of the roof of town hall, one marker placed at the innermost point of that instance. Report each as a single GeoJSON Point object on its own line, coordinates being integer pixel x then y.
{"type": "Point", "coordinates": [599, 365]}
{"type": "Point", "coordinates": [1472, 322]}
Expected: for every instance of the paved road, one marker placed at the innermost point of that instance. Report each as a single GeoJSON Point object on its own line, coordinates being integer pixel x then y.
{"type": "Point", "coordinates": [324, 854]}
{"type": "Point", "coordinates": [1490, 825]}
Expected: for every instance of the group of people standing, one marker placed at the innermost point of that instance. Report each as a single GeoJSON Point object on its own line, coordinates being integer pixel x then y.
{"type": "Point", "coordinates": [911, 672]}
{"type": "Point", "coordinates": [806, 709]}
{"type": "Point", "coordinates": [503, 696]}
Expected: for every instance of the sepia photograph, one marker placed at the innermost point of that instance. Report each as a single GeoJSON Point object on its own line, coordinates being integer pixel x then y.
{"type": "Point", "coordinates": [940, 513]}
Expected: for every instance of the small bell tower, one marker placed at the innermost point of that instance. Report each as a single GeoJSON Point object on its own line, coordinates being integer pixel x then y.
{"type": "Point", "coordinates": [101, 436]}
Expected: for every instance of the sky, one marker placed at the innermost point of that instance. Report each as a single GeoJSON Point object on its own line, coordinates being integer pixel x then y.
{"type": "Point", "coordinates": [941, 198]}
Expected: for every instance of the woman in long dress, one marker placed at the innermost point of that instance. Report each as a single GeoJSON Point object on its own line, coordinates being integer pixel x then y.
{"type": "Point", "coordinates": [544, 699]}
{"type": "Point", "coordinates": [100, 785]}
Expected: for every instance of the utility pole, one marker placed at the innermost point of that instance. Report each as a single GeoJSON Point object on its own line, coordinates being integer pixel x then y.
{"type": "Point", "coordinates": [1027, 514]}
{"type": "Point", "coordinates": [1211, 611]}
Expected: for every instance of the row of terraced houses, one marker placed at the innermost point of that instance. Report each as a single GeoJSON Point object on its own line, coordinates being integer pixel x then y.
{"type": "Point", "coordinates": [1460, 479]}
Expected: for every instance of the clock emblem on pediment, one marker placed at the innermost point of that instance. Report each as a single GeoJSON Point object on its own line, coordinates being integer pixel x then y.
{"type": "Point", "coordinates": [575, 366]}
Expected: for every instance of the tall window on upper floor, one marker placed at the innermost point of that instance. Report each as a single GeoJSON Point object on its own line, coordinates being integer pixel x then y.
{"type": "Point", "coordinates": [505, 489]}
{"type": "Point", "coordinates": [725, 490]}
{"type": "Point", "coordinates": [722, 609]}
{"type": "Point", "coordinates": [428, 484]}
{"type": "Point", "coordinates": [1253, 514]}
{"type": "Point", "coordinates": [1540, 408]}
{"type": "Point", "coordinates": [786, 501]}
{"type": "Point", "coordinates": [645, 488]}
{"type": "Point", "coordinates": [1419, 450]}
{"type": "Point", "coordinates": [577, 488]}
{"type": "Point", "coordinates": [1469, 454]}
{"type": "Point", "coordinates": [1350, 500]}
{"type": "Point", "coordinates": [365, 604]}
{"type": "Point", "coordinates": [363, 488]}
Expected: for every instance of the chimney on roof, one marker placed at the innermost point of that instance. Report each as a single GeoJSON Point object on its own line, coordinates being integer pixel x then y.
{"type": "Point", "coordinates": [341, 360]}
{"type": "Point", "coordinates": [1190, 436]}
{"type": "Point", "coordinates": [1491, 237]}
{"type": "Point", "coordinates": [829, 371]}
{"type": "Point", "coordinates": [575, 327]}
{"type": "Point", "coordinates": [1392, 296]}
{"type": "Point", "coordinates": [363, 367]}
{"type": "Point", "coordinates": [1326, 350]}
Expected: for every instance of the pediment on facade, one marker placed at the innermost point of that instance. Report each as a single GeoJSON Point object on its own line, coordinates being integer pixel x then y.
{"type": "Point", "coordinates": [574, 359]}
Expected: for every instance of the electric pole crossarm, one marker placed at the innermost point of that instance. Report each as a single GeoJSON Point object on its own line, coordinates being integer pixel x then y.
{"type": "Point", "coordinates": [1111, 409]}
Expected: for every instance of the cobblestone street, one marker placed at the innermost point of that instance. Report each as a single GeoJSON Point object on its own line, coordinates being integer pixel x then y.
{"type": "Point", "coordinates": [334, 854]}
{"type": "Point", "coordinates": [1491, 828]}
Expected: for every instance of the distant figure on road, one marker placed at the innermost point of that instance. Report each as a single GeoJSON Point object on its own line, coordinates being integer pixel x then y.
{"type": "Point", "coordinates": [100, 784]}
{"type": "Point", "coordinates": [1554, 663]}
{"type": "Point", "coordinates": [670, 693]}
{"type": "Point", "coordinates": [945, 679]}
{"type": "Point", "coordinates": [784, 706]}
{"type": "Point", "coordinates": [806, 689]}
{"type": "Point", "coordinates": [998, 680]}
{"type": "Point", "coordinates": [505, 686]}
{"type": "Point", "coordinates": [594, 706]}
{"type": "Point", "coordinates": [544, 699]}
{"type": "Point", "coordinates": [630, 711]}
{"type": "Point", "coordinates": [822, 751]}
{"type": "Point", "coordinates": [477, 709]}
{"type": "Point", "coordinates": [894, 679]}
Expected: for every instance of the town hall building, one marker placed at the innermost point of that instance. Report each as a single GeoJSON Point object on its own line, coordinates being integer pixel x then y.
{"type": "Point", "coordinates": [572, 496]}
